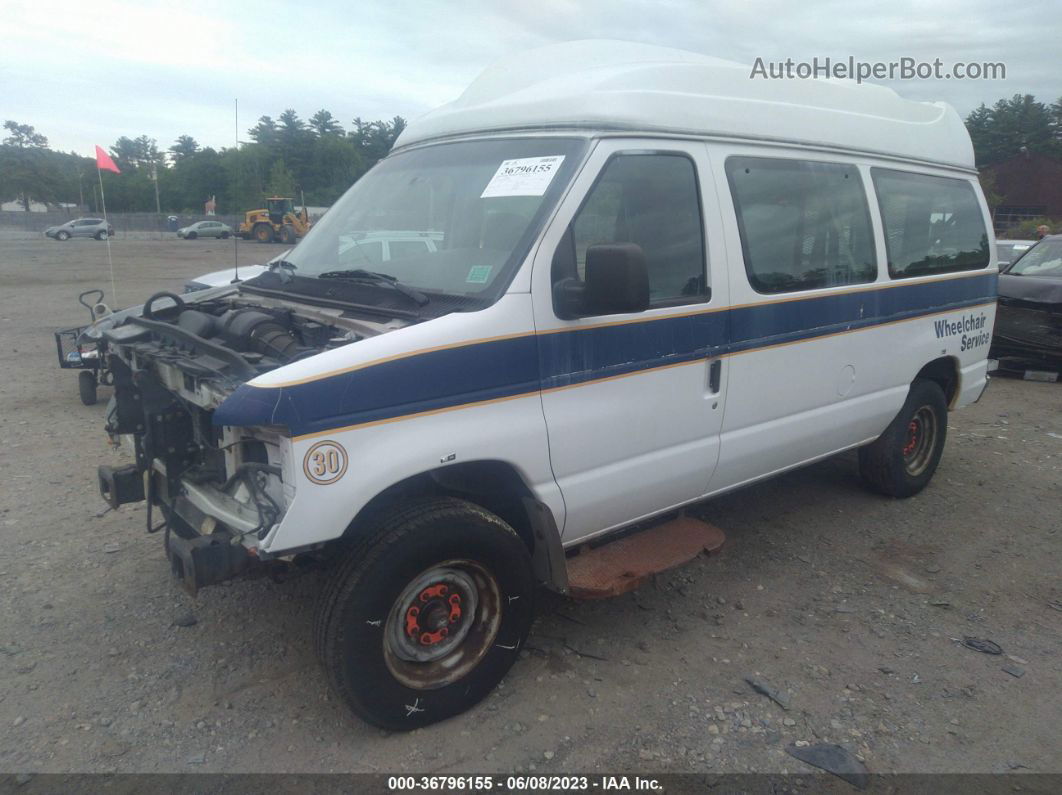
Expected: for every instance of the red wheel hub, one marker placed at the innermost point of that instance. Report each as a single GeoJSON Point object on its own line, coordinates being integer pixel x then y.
{"type": "Point", "coordinates": [913, 433]}
{"type": "Point", "coordinates": [428, 620]}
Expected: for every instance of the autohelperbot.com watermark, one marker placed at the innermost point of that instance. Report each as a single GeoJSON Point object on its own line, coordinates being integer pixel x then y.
{"type": "Point", "coordinates": [850, 68]}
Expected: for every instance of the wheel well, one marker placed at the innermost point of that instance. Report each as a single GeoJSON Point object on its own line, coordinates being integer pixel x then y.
{"type": "Point", "coordinates": [494, 485]}
{"type": "Point", "coordinates": [945, 373]}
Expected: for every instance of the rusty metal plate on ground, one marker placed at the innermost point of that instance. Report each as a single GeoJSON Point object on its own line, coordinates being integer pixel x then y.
{"type": "Point", "coordinates": [623, 565]}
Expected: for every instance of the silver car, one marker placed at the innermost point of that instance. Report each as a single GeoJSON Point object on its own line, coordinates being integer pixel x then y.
{"type": "Point", "coordinates": [81, 227]}
{"type": "Point", "coordinates": [205, 229]}
{"type": "Point", "coordinates": [1009, 250]}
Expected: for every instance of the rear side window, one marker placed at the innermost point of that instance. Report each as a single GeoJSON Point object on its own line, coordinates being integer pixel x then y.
{"type": "Point", "coordinates": [651, 200]}
{"type": "Point", "coordinates": [932, 224]}
{"type": "Point", "coordinates": [804, 225]}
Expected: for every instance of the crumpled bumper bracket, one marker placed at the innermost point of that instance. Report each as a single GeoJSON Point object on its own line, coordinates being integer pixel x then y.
{"type": "Point", "coordinates": [206, 560]}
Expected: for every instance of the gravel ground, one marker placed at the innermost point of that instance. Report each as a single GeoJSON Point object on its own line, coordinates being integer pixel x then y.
{"type": "Point", "coordinates": [853, 605]}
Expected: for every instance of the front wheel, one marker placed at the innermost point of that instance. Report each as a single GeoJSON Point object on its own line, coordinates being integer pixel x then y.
{"type": "Point", "coordinates": [426, 615]}
{"type": "Point", "coordinates": [86, 387]}
{"type": "Point", "coordinates": [224, 235]}
{"type": "Point", "coordinates": [191, 236]}
{"type": "Point", "coordinates": [62, 235]}
{"type": "Point", "coordinates": [263, 233]}
{"type": "Point", "coordinates": [901, 462]}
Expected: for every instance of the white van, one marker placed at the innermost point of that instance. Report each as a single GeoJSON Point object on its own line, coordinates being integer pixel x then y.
{"type": "Point", "coordinates": [650, 280]}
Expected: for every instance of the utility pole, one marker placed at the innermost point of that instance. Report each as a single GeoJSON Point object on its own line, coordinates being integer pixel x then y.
{"type": "Point", "coordinates": [158, 206]}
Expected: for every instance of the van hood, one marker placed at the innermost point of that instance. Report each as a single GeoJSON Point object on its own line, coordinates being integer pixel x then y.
{"type": "Point", "coordinates": [1033, 289]}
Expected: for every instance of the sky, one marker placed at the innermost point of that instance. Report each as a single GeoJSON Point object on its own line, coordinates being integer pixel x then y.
{"type": "Point", "coordinates": [85, 73]}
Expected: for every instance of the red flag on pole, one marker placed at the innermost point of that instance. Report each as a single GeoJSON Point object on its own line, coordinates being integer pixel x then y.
{"type": "Point", "coordinates": [104, 162]}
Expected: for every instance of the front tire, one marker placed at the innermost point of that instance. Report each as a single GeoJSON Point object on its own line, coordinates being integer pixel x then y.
{"type": "Point", "coordinates": [263, 233]}
{"type": "Point", "coordinates": [62, 235]}
{"type": "Point", "coordinates": [901, 462]}
{"type": "Point", "coordinates": [426, 615]}
{"type": "Point", "coordinates": [191, 236]}
{"type": "Point", "coordinates": [86, 387]}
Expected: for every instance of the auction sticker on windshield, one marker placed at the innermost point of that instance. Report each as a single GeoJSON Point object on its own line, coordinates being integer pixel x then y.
{"type": "Point", "coordinates": [524, 176]}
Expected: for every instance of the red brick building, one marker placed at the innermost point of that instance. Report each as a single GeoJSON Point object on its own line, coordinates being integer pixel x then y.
{"type": "Point", "coordinates": [1029, 186]}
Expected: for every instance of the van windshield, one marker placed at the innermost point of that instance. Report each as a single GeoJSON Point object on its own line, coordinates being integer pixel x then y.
{"type": "Point", "coordinates": [453, 218]}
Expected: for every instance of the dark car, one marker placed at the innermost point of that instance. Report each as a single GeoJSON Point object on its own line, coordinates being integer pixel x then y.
{"type": "Point", "coordinates": [1028, 332]}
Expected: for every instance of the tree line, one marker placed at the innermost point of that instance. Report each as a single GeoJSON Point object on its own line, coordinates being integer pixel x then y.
{"type": "Point", "coordinates": [287, 156]}
{"type": "Point", "coordinates": [1001, 131]}
{"type": "Point", "coordinates": [318, 158]}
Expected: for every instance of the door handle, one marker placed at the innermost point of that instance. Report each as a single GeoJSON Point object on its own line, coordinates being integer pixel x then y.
{"type": "Point", "coordinates": [715, 372]}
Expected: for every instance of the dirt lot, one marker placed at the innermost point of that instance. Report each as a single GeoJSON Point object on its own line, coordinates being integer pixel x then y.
{"type": "Point", "coordinates": [854, 604]}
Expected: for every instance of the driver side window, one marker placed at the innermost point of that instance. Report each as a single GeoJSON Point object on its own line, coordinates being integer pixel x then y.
{"type": "Point", "coordinates": [651, 200]}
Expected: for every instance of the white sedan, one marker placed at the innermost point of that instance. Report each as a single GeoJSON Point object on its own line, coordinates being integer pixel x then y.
{"type": "Point", "coordinates": [205, 229]}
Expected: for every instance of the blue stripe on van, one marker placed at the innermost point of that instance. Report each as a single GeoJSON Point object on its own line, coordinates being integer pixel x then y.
{"type": "Point", "coordinates": [492, 370]}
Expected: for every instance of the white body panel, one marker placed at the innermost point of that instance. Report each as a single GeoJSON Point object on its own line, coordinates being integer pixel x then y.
{"type": "Point", "coordinates": [614, 450]}
{"type": "Point", "coordinates": [386, 452]}
{"type": "Point", "coordinates": [644, 88]}
{"type": "Point", "coordinates": [797, 402]}
{"type": "Point", "coordinates": [630, 446]}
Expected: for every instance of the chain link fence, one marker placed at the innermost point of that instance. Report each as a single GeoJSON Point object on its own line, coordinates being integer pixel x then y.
{"type": "Point", "coordinates": [126, 225]}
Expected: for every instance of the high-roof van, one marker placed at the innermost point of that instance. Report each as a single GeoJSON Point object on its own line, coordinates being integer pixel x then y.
{"type": "Point", "coordinates": [620, 280]}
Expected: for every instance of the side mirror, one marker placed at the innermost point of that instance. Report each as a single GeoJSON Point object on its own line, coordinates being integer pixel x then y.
{"type": "Point", "coordinates": [617, 281]}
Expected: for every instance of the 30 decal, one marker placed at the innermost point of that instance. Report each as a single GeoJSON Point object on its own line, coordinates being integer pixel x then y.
{"type": "Point", "coordinates": [325, 462]}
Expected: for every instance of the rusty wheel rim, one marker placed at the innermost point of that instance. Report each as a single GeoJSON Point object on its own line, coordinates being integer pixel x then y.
{"type": "Point", "coordinates": [442, 624]}
{"type": "Point", "coordinates": [920, 440]}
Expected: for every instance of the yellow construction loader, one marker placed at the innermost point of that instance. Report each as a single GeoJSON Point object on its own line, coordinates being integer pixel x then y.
{"type": "Point", "coordinates": [277, 222]}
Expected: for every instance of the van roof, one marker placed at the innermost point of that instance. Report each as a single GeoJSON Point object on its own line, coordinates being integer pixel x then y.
{"type": "Point", "coordinates": [614, 85]}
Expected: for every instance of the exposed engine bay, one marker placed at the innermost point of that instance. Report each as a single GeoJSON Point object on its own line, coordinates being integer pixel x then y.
{"type": "Point", "coordinates": [202, 349]}
{"type": "Point", "coordinates": [220, 490]}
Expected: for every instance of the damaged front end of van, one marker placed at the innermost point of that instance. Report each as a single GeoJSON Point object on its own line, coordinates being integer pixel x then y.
{"type": "Point", "coordinates": [216, 479]}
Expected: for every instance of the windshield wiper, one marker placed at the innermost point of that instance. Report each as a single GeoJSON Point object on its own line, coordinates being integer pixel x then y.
{"type": "Point", "coordinates": [360, 274]}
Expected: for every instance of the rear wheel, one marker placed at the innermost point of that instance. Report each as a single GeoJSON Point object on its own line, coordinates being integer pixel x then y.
{"type": "Point", "coordinates": [426, 615]}
{"type": "Point", "coordinates": [101, 235]}
{"type": "Point", "coordinates": [86, 387]}
{"type": "Point", "coordinates": [901, 462]}
{"type": "Point", "coordinates": [263, 233]}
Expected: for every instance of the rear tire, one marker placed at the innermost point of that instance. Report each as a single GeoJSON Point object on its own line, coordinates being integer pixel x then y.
{"type": "Point", "coordinates": [101, 235]}
{"type": "Point", "coordinates": [86, 387]}
{"type": "Point", "coordinates": [426, 615]}
{"type": "Point", "coordinates": [901, 462]}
